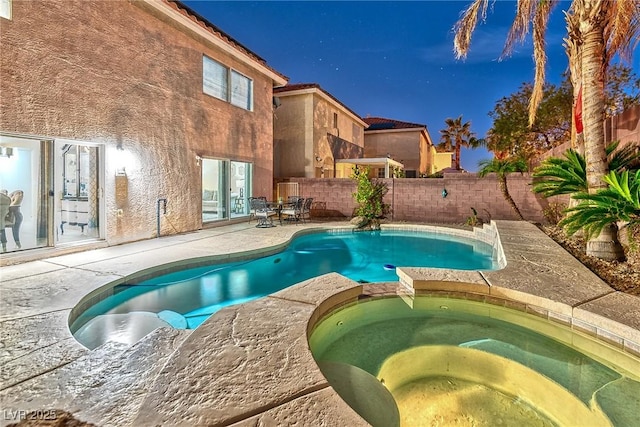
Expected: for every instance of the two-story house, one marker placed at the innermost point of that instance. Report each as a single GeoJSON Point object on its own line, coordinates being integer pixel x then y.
{"type": "Point", "coordinates": [122, 120]}
{"type": "Point", "coordinates": [312, 131]}
{"type": "Point", "coordinates": [407, 143]}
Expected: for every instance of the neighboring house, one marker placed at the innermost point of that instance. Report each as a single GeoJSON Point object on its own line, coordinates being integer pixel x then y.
{"type": "Point", "coordinates": [112, 110]}
{"type": "Point", "coordinates": [407, 143]}
{"type": "Point", "coordinates": [312, 131]}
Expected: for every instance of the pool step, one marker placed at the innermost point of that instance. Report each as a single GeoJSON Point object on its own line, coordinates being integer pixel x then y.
{"type": "Point", "coordinates": [105, 387]}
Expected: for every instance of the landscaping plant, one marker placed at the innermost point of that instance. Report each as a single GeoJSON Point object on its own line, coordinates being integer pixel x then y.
{"type": "Point", "coordinates": [369, 198]}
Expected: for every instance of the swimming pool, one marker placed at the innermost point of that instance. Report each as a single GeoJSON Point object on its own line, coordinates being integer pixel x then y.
{"type": "Point", "coordinates": [449, 361]}
{"type": "Point", "coordinates": [186, 298]}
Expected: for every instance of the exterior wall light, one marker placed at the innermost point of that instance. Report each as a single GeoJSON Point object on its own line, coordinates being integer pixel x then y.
{"type": "Point", "coordinates": [445, 193]}
{"type": "Point", "coordinates": [120, 160]}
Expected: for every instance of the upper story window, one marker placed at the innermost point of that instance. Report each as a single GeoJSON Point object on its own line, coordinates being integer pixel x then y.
{"type": "Point", "coordinates": [241, 91]}
{"type": "Point", "coordinates": [5, 9]}
{"type": "Point", "coordinates": [215, 82]}
{"type": "Point", "coordinates": [215, 77]}
{"type": "Point", "coordinates": [335, 120]}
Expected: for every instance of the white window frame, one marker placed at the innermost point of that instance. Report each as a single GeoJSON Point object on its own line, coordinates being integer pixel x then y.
{"type": "Point", "coordinates": [5, 9]}
{"type": "Point", "coordinates": [241, 91]}
{"type": "Point", "coordinates": [215, 79]}
{"type": "Point", "coordinates": [226, 84]}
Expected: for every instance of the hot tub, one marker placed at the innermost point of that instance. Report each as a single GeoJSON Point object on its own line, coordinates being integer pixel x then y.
{"type": "Point", "coordinates": [449, 361]}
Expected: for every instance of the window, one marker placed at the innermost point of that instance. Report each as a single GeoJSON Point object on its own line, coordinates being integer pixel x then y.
{"type": "Point", "coordinates": [241, 90]}
{"type": "Point", "coordinates": [335, 120]}
{"type": "Point", "coordinates": [214, 79]}
{"type": "Point", "coordinates": [5, 9]}
{"type": "Point", "coordinates": [215, 82]}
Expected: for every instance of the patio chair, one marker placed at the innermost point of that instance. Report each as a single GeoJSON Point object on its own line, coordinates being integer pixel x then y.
{"type": "Point", "coordinates": [306, 209]}
{"type": "Point", "coordinates": [294, 210]}
{"type": "Point", "coordinates": [252, 206]}
{"type": "Point", "coordinates": [263, 213]}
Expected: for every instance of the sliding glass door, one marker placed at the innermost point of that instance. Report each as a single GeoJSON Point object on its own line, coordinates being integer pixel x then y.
{"type": "Point", "coordinates": [226, 187]}
{"type": "Point", "coordinates": [25, 202]}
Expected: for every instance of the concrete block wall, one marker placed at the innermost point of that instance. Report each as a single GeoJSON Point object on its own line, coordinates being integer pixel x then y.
{"type": "Point", "coordinates": [421, 199]}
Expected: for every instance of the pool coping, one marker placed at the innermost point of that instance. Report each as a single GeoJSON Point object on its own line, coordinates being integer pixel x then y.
{"type": "Point", "coordinates": [203, 378]}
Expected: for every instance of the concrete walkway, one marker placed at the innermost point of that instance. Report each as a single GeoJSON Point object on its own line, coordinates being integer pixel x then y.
{"type": "Point", "coordinates": [248, 363]}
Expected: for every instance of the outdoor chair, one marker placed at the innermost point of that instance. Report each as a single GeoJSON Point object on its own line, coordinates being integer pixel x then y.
{"type": "Point", "coordinates": [306, 209]}
{"type": "Point", "coordinates": [294, 210]}
{"type": "Point", "coordinates": [263, 213]}
{"type": "Point", "coordinates": [252, 206]}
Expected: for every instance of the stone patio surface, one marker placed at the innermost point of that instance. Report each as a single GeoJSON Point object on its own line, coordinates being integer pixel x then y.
{"type": "Point", "coordinates": [249, 364]}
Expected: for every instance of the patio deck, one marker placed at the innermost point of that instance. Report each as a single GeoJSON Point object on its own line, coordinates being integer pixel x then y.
{"type": "Point", "coordinates": [248, 364]}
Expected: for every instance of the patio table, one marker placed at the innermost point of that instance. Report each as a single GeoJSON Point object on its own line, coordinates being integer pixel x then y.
{"type": "Point", "coordinates": [278, 205]}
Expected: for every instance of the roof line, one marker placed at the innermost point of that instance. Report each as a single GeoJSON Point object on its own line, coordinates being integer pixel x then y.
{"type": "Point", "coordinates": [203, 22]}
{"type": "Point", "coordinates": [306, 86]}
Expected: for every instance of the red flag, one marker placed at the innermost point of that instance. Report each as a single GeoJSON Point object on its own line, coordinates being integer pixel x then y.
{"type": "Point", "coordinates": [578, 112]}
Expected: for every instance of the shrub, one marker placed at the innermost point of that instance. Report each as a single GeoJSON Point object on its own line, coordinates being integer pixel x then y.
{"type": "Point", "coordinates": [369, 197]}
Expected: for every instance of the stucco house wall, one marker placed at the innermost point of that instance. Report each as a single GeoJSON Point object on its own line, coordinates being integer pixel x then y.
{"type": "Point", "coordinates": [402, 146]}
{"type": "Point", "coordinates": [293, 132]}
{"type": "Point", "coordinates": [128, 74]}
{"type": "Point", "coordinates": [311, 130]}
{"type": "Point", "coordinates": [407, 143]}
{"type": "Point", "coordinates": [441, 160]}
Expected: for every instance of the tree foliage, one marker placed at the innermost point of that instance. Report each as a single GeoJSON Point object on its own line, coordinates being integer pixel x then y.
{"type": "Point", "coordinates": [597, 31]}
{"type": "Point", "coordinates": [511, 134]}
{"type": "Point", "coordinates": [455, 136]}
{"type": "Point", "coordinates": [622, 89]}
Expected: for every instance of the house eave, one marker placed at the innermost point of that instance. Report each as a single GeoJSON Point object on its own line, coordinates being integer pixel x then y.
{"type": "Point", "coordinates": [326, 97]}
{"type": "Point", "coordinates": [166, 9]}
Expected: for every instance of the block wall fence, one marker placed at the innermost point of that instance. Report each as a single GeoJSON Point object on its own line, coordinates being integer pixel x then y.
{"type": "Point", "coordinates": [420, 200]}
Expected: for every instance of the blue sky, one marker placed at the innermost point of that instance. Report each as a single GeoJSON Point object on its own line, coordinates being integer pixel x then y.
{"type": "Point", "coordinates": [392, 59]}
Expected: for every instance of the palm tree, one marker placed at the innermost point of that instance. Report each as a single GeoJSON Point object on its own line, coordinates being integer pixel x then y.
{"type": "Point", "coordinates": [568, 175]}
{"type": "Point", "coordinates": [455, 136]}
{"type": "Point", "coordinates": [502, 167]}
{"type": "Point", "coordinates": [619, 202]}
{"type": "Point", "coordinates": [597, 31]}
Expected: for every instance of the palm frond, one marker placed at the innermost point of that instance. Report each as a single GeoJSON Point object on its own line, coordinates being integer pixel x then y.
{"type": "Point", "coordinates": [565, 175]}
{"type": "Point", "coordinates": [619, 202]}
{"type": "Point", "coordinates": [465, 26]}
{"type": "Point", "coordinates": [540, 23]}
{"type": "Point", "coordinates": [525, 11]}
{"type": "Point", "coordinates": [623, 28]}
{"type": "Point", "coordinates": [624, 158]}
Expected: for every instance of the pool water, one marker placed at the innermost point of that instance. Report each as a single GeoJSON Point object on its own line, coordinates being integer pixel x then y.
{"type": "Point", "coordinates": [454, 362]}
{"type": "Point", "coordinates": [186, 298]}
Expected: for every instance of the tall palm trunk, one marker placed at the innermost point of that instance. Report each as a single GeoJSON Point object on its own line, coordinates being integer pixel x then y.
{"type": "Point", "coordinates": [606, 245]}
{"type": "Point", "coordinates": [457, 159]}
{"type": "Point", "coordinates": [502, 183]}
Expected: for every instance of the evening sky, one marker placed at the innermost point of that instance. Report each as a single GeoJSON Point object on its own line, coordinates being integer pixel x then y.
{"type": "Point", "coordinates": [393, 59]}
